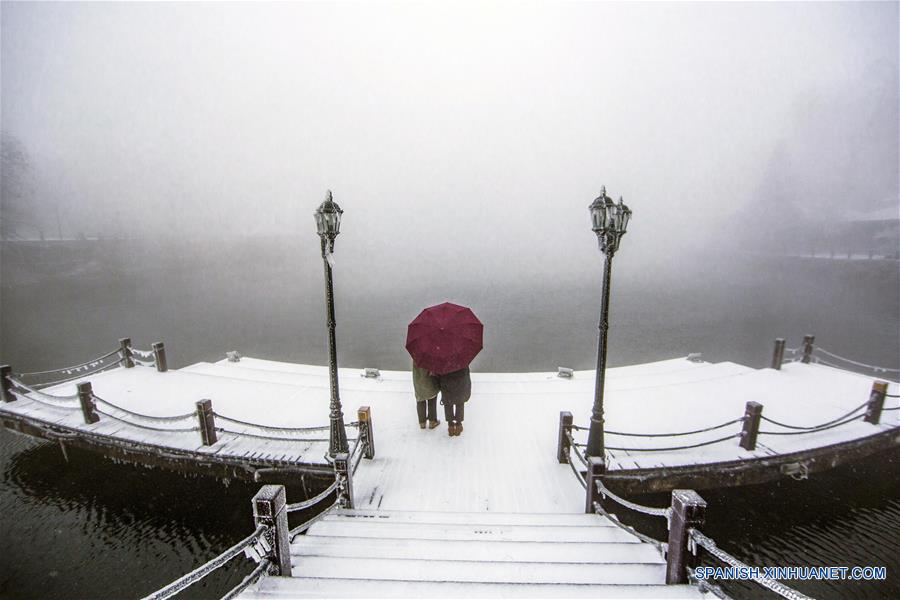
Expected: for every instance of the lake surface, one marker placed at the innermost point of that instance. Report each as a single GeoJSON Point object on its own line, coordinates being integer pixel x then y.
{"type": "Point", "coordinates": [89, 528]}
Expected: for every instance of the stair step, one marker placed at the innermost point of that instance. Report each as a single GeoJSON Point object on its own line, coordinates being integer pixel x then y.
{"type": "Point", "coordinates": [487, 551]}
{"type": "Point", "coordinates": [472, 518]}
{"type": "Point", "coordinates": [313, 587]}
{"type": "Point", "coordinates": [477, 572]}
{"type": "Point", "coordinates": [508, 533]}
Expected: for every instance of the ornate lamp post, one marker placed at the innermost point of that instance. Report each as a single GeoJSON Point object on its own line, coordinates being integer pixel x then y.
{"type": "Point", "coordinates": [328, 224]}
{"type": "Point", "coordinates": [609, 221]}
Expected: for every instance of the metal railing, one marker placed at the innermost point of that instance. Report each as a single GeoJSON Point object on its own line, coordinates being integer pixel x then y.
{"type": "Point", "coordinates": [685, 515]}
{"type": "Point", "coordinates": [202, 571]}
{"type": "Point", "coordinates": [269, 545]}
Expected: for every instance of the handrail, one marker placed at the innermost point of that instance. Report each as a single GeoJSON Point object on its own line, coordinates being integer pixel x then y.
{"type": "Point", "coordinates": [268, 427]}
{"type": "Point", "coordinates": [578, 475]}
{"type": "Point", "coordinates": [775, 586]}
{"type": "Point", "coordinates": [647, 510]}
{"type": "Point", "coordinates": [875, 368]}
{"type": "Point", "coordinates": [670, 434]}
{"type": "Point", "coordinates": [706, 586]}
{"type": "Point", "coordinates": [56, 406]}
{"type": "Point", "coordinates": [181, 417]}
{"type": "Point", "coordinates": [661, 546]}
{"type": "Point", "coordinates": [149, 427]}
{"type": "Point", "coordinates": [70, 370]}
{"type": "Point", "coordinates": [680, 433]}
{"type": "Point", "coordinates": [673, 448]}
{"type": "Point", "coordinates": [832, 426]}
{"type": "Point", "coordinates": [314, 500]}
{"type": "Point", "coordinates": [310, 522]}
{"type": "Point", "coordinates": [202, 571]}
{"type": "Point", "coordinates": [262, 567]}
{"type": "Point", "coordinates": [803, 427]}
{"type": "Point", "coordinates": [270, 437]}
{"type": "Point", "coordinates": [30, 390]}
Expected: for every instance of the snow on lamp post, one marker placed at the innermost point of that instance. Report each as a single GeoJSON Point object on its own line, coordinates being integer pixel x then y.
{"type": "Point", "coordinates": [328, 225]}
{"type": "Point", "coordinates": [609, 221]}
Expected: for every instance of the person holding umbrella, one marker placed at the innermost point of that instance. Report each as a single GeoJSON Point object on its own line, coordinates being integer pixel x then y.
{"type": "Point", "coordinates": [442, 341]}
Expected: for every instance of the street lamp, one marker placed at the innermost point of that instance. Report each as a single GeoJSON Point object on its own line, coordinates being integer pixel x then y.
{"type": "Point", "coordinates": [609, 221]}
{"type": "Point", "coordinates": [328, 225]}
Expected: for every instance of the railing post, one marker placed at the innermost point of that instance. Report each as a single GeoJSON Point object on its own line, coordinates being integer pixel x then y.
{"type": "Point", "coordinates": [778, 355]}
{"type": "Point", "coordinates": [207, 421]}
{"type": "Point", "coordinates": [807, 348]}
{"type": "Point", "coordinates": [595, 469]}
{"type": "Point", "coordinates": [876, 402]}
{"type": "Point", "coordinates": [6, 384]}
{"type": "Point", "coordinates": [270, 508]}
{"type": "Point", "coordinates": [752, 413]}
{"type": "Point", "coordinates": [159, 355]}
{"type": "Point", "coordinates": [364, 415]}
{"type": "Point", "coordinates": [562, 446]}
{"type": "Point", "coordinates": [688, 511]}
{"type": "Point", "coordinates": [344, 474]}
{"type": "Point", "coordinates": [86, 398]}
{"type": "Point", "coordinates": [125, 349]}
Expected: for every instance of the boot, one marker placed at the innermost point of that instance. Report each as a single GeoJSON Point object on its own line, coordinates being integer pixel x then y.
{"type": "Point", "coordinates": [459, 427]}
{"type": "Point", "coordinates": [431, 424]}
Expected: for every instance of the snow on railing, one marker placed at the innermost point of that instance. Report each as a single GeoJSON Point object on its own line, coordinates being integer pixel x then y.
{"type": "Point", "coordinates": [698, 539]}
{"type": "Point", "coordinates": [185, 581]}
{"type": "Point", "coordinates": [269, 545]}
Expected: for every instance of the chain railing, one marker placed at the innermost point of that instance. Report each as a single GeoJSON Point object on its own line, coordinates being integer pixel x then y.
{"type": "Point", "coordinates": [52, 377]}
{"type": "Point", "coordinates": [698, 539]}
{"type": "Point", "coordinates": [684, 517]}
{"type": "Point", "coordinates": [855, 363]}
{"type": "Point", "coordinates": [202, 571]}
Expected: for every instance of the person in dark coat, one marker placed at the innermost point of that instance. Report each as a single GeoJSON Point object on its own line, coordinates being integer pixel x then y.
{"type": "Point", "coordinates": [426, 388]}
{"type": "Point", "coordinates": [455, 389]}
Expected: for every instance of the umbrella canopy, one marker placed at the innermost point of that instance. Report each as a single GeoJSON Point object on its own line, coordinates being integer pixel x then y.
{"type": "Point", "coordinates": [444, 338]}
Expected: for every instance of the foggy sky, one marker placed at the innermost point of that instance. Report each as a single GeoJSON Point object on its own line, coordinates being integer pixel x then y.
{"type": "Point", "coordinates": [467, 133]}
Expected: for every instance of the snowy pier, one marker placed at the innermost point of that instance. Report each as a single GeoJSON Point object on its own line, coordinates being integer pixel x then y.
{"type": "Point", "coordinates": [510, 507]}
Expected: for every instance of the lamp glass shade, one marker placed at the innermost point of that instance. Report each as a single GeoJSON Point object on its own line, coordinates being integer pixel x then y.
{"type": "Point", "coordinates": [598, 215]}
{"type": "Point", "coordinates": [328, 218]}
{"type": "Point", "coordinates": [625, 216]}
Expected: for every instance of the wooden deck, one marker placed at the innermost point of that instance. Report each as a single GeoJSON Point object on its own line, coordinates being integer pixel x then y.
{"type": "Point", "coordinates": [512, 418]}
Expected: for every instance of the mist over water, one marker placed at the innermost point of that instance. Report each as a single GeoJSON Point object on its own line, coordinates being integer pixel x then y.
{"type": "Point", "coordinates": [171, 155]}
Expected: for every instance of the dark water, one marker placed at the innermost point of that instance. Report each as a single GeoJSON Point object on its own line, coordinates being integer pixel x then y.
{"type": "Point", "coordinates": [93, 529]}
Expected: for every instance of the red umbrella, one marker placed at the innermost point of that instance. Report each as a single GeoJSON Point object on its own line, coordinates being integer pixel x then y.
{"type": "Point", "coordinates": [444, 338]}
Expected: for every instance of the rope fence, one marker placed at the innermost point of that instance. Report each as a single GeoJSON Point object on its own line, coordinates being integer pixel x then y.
{"type": "Point", "coordinates": [677, 434]}
{"type": "Point", "coordinates": [314, 500]}
{"type": "Point", "coordinates": [75, 370]}
{"type": "Point", "coordinates": [204, 570]}
{"type": "Point", "coordinates": [149, 427]}
{"type": "Point", "coordinates": [675, 448]}
{"type": "Point", "coordinates": [775, 586]}
{"type": "Point", "coordinates": [269, 437]}
{"type": "Point", "coordinates": [661, 546]}
{"type": "Point", "coordinates": [806, 428]}
{"type": "Point", "coordinates": [182, 417]}
{"type": "Point", "coordinates": [261, 568]}
{"type": "Point", "coordinates": [875, 368]}
{"type": "Point", "coordinates": [645, 510]}
{"type": "Point", "coordinates": [832, 426]}
{"type": "Point", "coordinates": [309, 523]}
{"type": "Point", "coordinates": [22, 396]}
{"type": "Point", "coordinates": [27, 389]}
{"type": "Point", "coordinates": [268, 427]}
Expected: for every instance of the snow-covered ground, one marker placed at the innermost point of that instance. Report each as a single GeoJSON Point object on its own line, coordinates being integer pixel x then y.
{"type": "Point", "coordinates": [505, 460]}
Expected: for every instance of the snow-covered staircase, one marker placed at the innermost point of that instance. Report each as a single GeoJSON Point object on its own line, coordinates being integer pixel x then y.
{"type": "Point", "coordinates": [469, 554]}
